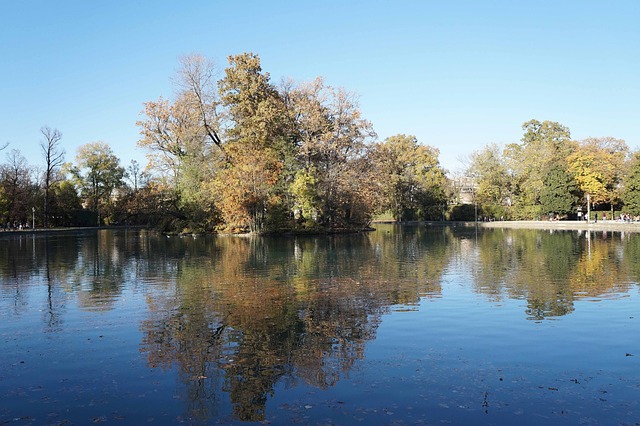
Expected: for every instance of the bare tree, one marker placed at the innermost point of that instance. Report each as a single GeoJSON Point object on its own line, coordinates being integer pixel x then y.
{"type": "Point", "coordinates": [15, 179]}
{"type": "Point", "coordinates": [54, 157]}
{"type": "Point", "coordinates": [196, 78]}
{"type": "Point", "coordinates": [134, 174]}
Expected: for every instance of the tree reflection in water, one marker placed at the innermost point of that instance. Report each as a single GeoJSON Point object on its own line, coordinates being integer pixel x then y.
{"type": "Point", "coordinates": [551, 270]}
{"type": "Point", "coordinates": [246, 315]}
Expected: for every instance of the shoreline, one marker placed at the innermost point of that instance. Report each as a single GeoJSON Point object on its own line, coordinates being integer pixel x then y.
{"type": "Point", "coordinates": [607, 225]}
{"type": "Point", "coordinates": [562, 225]}
{"type": "Point", "coordinates": [79, 230]}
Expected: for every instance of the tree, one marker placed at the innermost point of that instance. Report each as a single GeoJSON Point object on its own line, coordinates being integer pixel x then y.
{"type": "Point", "coordinates": [196, 78]}
{"type": "Point", "coordinates": [493, 182]}
{"type": "Point", "coordinates": [65, 203]}
{"type": "Point", "coordinates": [410, 177]}
{"type": "Point", "coordinates": [134, 175]}
{"type": "Point", "coordinates": [245, 189]}
{"type": "Point", "coordinates": [631, 191]}
{"type": "Point", "coordinates": [543, 143]}
{"type": "Point", "coordinates": [98, 173]}
{"type": "Point", "coordinates": [597, 165]}
{"type": "Point", "coordinates": [54, 158]}
{"type": "Point", "coordinates": [247, 184]}
{"type": "Point", "coordinates": [331, 140]}
{"type": "Point", "coordinates": [16, 189]}
{"type": "Point", "coordinates": [559, 193]}
{"type": "Point", "coordinates": [184, 141]}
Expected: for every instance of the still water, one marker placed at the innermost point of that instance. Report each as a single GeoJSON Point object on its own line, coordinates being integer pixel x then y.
{"type": "Point", "coordinates": [404, 325]}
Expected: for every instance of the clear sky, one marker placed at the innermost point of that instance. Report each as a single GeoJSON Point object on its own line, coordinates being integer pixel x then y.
{"type": "Point", "coordinates": [456, 74]}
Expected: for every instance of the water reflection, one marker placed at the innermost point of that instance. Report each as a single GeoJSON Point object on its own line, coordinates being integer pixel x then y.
{"type": "Point", "coordinates": [240, 317]}
{"type": "Point", "coordinates": [553, 269]}
{"type": "Point", "coordinates": [245, 315]}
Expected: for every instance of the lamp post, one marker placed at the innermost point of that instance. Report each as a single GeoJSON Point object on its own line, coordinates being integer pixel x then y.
{"type": "Point", "coordinates": [588, 208]}
{"type": "Point", "coordinates": [33, 219]}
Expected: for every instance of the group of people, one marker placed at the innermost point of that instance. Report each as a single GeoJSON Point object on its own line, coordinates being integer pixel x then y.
{"type": "Point", "coordinates": [14, 226]}
{"type": "Point", "coordinates": [626, 217]}
{"type": "Point", "coordinates": [623, 217]}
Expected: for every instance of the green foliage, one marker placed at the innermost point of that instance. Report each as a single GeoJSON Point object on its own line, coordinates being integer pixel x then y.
{"type": "Point", "coordinates": [65, 204]}
{"type": "Point", "coordinates": [495, 212]}
{"type": "Point", "coordinates": [305, 194]}
{"type": "Point", "coordinates": [491, 176]}
{"type": "Point", "coordinates": [526, 212]}
{"type": "Point", "coordinates": [461, 212]}
{"type": "Point", "coordinates": [543, 144]}
{"type": "Point", "coordinates": [559, 193]}
{"type": "Point", "coordinates": [631, 192]}
{"type": "Point", "coordinates": [547, 173]}
{"type": "Point", "coordinates": [98, 173]}
{"type": "Point", "coordinates": [412, 181]}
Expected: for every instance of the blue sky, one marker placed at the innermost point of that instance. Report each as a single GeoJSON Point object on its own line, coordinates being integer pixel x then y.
{"type": "Point", "coordinates": [456, 74]}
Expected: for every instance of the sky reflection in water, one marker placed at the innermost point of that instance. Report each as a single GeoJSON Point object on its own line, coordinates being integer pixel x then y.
{"type": "Point", "coordinates": [405, 325]}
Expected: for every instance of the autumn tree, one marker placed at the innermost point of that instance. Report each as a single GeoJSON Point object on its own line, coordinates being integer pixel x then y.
{"type": "Point", "coordinates": [184, 142]}
{"type": "Point", "coordinates": [98, 174]}
{"type": "Point", "coordinates": [54, 157]}
{"type": "Point", "coordinates": [246, 186]}
{"type": "Point", "coordinates": [597, 165]}
{"type": "Point", "coordinates": [256, 155]}
{"type": "Point", "coordinates": [331, 145]}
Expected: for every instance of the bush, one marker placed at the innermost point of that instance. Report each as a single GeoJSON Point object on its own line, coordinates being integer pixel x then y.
{"type": "Point", "coordinates": [462, 212]}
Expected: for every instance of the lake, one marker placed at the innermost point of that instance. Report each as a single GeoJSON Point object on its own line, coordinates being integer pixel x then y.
{"type": "Point", "coordinates": [404, 325]}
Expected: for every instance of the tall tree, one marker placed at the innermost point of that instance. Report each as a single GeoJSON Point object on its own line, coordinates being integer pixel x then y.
{"type": "Point", "coordinates": [543, 143]}
{"type": "Point", "coordinates": [134, 174]}
{"type": "Point", "coordinates": [252, 154]}
{"type": "Point", "coordinates": [631, 191]}
{"type": "Point", "coordinates": [65, 203]}
{"type": "Point", "coordinates": [196, 79]}
{"type": "Point", "coordinates": [597, 165]}
{"type": "Point", "coordinates": [98, 173]}
{"type": "Point", "coordinates": [247, 184]}
{"type": "Point", "coordinates": [491, 177]}
{"type": "Point", "coordinates": [559, 193]}
{"type": "Point", "coordinates": [410, 176]}
{"type": "Point", "coordinates": [16, 189]}
{"type": "Point", "coordinates": [54, 158]}
{"type": "Point", "coordinates": [183, 138]}
{"type": "Point", "coordinates": [331, 144]}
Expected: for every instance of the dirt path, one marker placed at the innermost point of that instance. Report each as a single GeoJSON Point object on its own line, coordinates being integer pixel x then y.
{"type": "Point", "coordinates": [608, 225]}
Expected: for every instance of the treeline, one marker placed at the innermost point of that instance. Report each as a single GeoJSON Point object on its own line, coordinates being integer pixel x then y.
{"type": "Point", "coordinates": [548, 174]}
{"type": "Point", "coordinates": [232, 151]}
{"type": "Point", "coordinates": [235, 153]}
